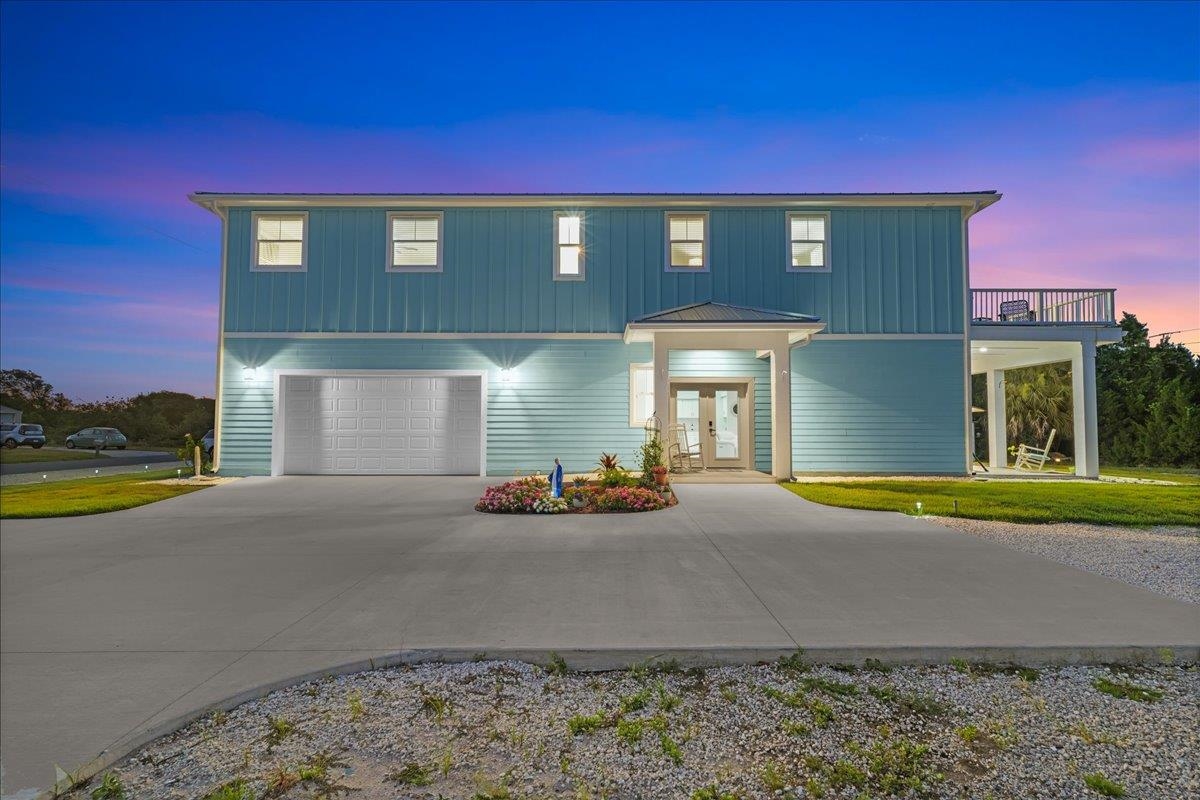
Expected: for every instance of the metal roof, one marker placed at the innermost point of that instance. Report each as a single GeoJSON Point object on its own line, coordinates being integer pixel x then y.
{"type": "Point", "coordinates": [722, 312]}
{"type": "Point", "coordinates": [973, 200]}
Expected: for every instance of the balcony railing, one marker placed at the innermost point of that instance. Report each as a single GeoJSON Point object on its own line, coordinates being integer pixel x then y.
{"type": "Point", "coordinates": [1043, 307]}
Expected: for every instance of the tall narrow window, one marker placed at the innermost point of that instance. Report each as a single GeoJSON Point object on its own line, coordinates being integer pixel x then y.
{"type": "Point", "coordinates": [568, 246]}
{"type": "Point", "coordinates": [808, 247]}
{"type": "Point", "coordinates": [687, 242]}
{"type": "Point", "coordinates": [279, 241]}
{"type": "Point", "coordinates": [415, 242]}
{"type": "Point", "coordinates": [641, 394]}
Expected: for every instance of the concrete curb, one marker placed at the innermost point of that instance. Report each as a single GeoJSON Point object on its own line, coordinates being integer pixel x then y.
{"type": "Point", "coordinates": [589, 660]}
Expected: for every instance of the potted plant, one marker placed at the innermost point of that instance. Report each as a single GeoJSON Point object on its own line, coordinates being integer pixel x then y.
{"type": "Point", "coordinates": [577, 496]}
{"type": "Point", "coordinates": [580, 481]}
{"type": "Point", "coordinates": [660, 475]}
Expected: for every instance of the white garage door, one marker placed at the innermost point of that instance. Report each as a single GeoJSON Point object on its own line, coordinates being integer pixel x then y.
{"type": "Point", "coordinates": [382, 425]}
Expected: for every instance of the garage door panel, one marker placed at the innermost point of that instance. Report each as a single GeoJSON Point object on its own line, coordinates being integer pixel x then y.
{"type": "Point", "coordinates": [399, 425]}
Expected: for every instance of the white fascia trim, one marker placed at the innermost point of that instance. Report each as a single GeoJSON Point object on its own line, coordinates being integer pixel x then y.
{"type": "Point", "coordinates": [823, 201]}
{"type": "Point", "coordinates": [858, 337]}
{"type": "Point", "coordinates": [216, 457]}
{"type": "Point", "coordinates": [643, 332]}
{"type": "Point", "coordinates": [1103, 334]}
{"type": "Point", "coordinates": [277, 411]}
{"type": "Point", "coordinates": [400, 335]}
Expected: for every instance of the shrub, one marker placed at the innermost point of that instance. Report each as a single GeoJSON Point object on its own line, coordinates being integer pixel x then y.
{"type": "Point", "coordinates": [608, 461]}
{"type": "Point", "coordinates": [616, 477]}
{"type": "Point", "coordinates": [629, 498]}
{"type": "Point", "coordinates": [571, 492]}
{"type": "Point", "coordinates": [652, 455]}
{"type": "Point", "coordinates": [187, 453]}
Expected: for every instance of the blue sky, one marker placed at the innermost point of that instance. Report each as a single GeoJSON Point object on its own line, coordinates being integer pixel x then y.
{"type": "Point", "coordinates": [1085, 115]}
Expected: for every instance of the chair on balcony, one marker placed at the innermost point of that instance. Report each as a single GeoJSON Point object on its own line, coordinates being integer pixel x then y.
{"type": "Point", "coordinates": [1034, 458]}
{"type": "Point", "coordinates": [1016, 311]}
{"type": "Point", "coordinates": [681, 454]}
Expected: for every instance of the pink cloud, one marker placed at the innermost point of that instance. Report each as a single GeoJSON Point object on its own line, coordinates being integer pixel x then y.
{"type": "Point", "coordinates": [1141, 154]}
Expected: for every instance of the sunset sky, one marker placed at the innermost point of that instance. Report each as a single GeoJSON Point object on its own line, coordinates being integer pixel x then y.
{"type": "Point", "coordinates": [1086, 117]}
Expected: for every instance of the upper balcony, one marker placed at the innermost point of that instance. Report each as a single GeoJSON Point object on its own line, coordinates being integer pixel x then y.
{"type": "Point", "coordinates": [1024, 307]}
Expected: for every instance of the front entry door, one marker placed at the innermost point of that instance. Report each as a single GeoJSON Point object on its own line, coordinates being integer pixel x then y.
{"type": "Point", "coordinates": [717, 416]}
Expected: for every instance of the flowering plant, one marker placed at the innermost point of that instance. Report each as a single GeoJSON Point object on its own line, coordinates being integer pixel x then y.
{"type": "Point", "coordinates": [629, 498]}
{"type": "Point", "coordinates": [549, 505]}
{"type": "Point", "coordinates": [659, 470]}
{"type": "Point", "coordinates": [514, 497]}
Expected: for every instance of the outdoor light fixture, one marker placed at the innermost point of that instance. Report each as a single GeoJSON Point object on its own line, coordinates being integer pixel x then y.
{"type": "Point", "coordinates": [983, 349]}
{"type": "Point", "coordinates": [249, 373]}
{"type": "Point", "coordinates": [918, 508]}
{"type": "Point", "coordinates": [506, 375]}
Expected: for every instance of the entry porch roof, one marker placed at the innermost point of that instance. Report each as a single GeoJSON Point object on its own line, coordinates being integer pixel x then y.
{"type": "Point", "coordinates": [711, 317]}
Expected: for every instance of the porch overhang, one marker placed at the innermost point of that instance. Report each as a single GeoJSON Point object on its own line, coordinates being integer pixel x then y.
{"type": "Point", "coordinates": [716, 320]}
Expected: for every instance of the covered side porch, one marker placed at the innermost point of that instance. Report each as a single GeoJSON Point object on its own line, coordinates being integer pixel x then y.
{"type": "Point", "coordinates": [720, 404]}
{"type": "Point", "coordinates": [1013, 329]}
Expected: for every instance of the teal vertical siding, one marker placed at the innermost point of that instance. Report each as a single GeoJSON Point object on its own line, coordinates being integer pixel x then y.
{"type": "Point", "coordinates": [728, 364]}
{"type": "Point", "coordinates": [893, 270]}
{"type": "Point", "coordinates": [565, 399]}
{"type": "Point", "coordinates": [886, 406]}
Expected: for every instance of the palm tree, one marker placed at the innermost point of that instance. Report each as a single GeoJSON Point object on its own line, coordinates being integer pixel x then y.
{"type": "Point", "coordinates": [1037, 400]}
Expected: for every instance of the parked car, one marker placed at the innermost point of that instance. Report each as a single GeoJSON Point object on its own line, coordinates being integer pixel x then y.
{"type": "Point", "coordinates": [91, 438]}
{"type": "Point", "coordinates": [16, 435]}
{"type": "Point", "coordinates": [208, 441]}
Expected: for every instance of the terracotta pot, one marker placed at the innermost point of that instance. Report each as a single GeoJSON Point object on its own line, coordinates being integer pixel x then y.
{"type": "Point", "coordinates": [660, 478]}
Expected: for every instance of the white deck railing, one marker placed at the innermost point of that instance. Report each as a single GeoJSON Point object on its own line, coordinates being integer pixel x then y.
{"type": "Point", "coordinates": [1043, 307]}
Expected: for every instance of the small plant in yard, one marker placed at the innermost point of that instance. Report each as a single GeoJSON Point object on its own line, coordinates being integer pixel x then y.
{"type": "Point", "coordinates": [728, 692]}
{"type": "Point", "coordinates": [110, 788]}
{"type": "Point", "coordinates": [793, 663]}
{"type": "Point", "coordinates": [412, 774]}
{"type": "Point", "coordinates": [236, 789]}
{"type": "Point", "coordinates": [1081, 731]}
{"type": "Point", "coordinates": [630, 730]}
{"type": "Point", "coordinates": [586, 723]}
{"type": "Point", "coordinates": [580, 481]}
{"type": "Point", "coordinates": [829, 687]}
{"type": "Point", "coordinates": [1098, 783]}
{"type": "Point", "coordinates": [356, 706]}
{"type": "Point", "coordinates": [557, 665]}
{"type": "Point", "coordinates": [435, 705]}
{"type": "Point", "coordinates": [651, 454]}
{"type": "Point", "coordinates": [774, 778]}
{"type": "Point", "coordinates": [617, 478]}
{"type": "Point", "coordinates": [968, 733]}
{"type": "Point", "coordinates": [636, 701]}
{"type": "Point", "coordinates": [1127, 691]}
{"type": "Point", "coordinates": [278, 729]}
{"type": "Point", "coordinates": [670, 748]}
{"type": "Point", "coordinates": [794, 728]}
{"type": "Point", "coordinates": [666, 701]}
{"type": "Point", "coordinates": [188, 453]}
{"type": "Point", "coordinates": [714, 792]}
{"type": "Point", "coordinates": [608, 461]}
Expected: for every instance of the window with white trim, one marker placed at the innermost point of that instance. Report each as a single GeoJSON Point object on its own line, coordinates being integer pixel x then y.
{"type": "Point", "coordinates": [687, 241]}
{"type": "Point", "coordinates": [641, 394]}
{"type": "Point", "coordinates": [568, 246]}
{"type": "Point", "coordinates": [279, 241]}
{"type": "Point", "coordinates": [414, 242]}
{"type": "Point", "coordinates": [808, 246]}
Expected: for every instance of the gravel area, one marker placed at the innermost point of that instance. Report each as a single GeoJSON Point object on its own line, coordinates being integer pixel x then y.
{"type": "Point", "coordinates": [1164, 560]}
{"type": "Point", "coordinates": [509, 730]}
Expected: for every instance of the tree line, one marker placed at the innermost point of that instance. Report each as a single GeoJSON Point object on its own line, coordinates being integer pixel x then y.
{"type": "Point", "coordinates": [156, 419]}
{"type": "Point", "coordinates": [1147, 402]}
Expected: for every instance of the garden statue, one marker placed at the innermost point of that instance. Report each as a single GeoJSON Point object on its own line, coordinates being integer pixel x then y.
{"type": "Point", "coordinates": [556, 478]}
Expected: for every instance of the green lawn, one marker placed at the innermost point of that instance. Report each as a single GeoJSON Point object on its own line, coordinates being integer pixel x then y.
{"type": "Point", "coordinates": [88, 495]}
{"type": "Point", "coordinates": [1137, 505]}
{"type": "Point", "coordinates": [27, 455]}
{"type": "Point", "coordinates": [1177, 474]}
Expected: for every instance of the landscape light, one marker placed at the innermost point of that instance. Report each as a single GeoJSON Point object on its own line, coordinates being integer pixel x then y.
{"type": "Point", "coordinates": [918, 508]}
{"type": "Point", "coordinates": [43, 477]}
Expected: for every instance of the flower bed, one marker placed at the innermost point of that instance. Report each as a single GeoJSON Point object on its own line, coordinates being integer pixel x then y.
{"type": "Point", "coordinates": [532, 496]}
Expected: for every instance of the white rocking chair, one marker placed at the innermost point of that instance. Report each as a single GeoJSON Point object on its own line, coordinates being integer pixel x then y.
{"type": "Point", "coordinates": [1034, 458]}
{"type": "Point", "coordinates": [682, 455]}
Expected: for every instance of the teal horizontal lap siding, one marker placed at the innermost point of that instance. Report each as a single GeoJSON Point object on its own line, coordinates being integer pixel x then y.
{"type": "Point", "coordinates": [564, 399]}
{"type": "Point", "coordinates": [893, 270]}
{"type": "Point", "coordinates": [734, 364]}
{"type": "Point", "coordinates": [887, 406]}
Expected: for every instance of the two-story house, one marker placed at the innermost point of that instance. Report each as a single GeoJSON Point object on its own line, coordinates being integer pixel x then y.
{"type": "Point", "coordinates": [485, 334]}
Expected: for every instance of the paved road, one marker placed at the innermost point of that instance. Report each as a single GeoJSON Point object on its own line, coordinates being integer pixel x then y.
{"type": "Point", "coordinates": [126, 458]}
{"type": "Point", "coordinates": [117, 624]}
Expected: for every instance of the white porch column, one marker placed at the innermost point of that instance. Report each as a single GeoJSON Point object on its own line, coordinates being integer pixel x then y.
{"type": "Point", "coordinates": [662, 381]}
{"type": "Point", "coordinates": [1083, 395]}
{"type": "Point", "coordinates": [781, 406]}
{"type": "Point", "coordinates": [997, 420]}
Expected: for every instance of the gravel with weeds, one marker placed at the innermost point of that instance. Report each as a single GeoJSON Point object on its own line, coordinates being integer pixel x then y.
{"type": "Point", "coordinates": [511, 730]}
{"type": "Point", "coordinates": [1164, 560]}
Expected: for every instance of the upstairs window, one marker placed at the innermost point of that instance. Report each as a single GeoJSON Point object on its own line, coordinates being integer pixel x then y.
{"type": "Point", "coordinates": [568, 246]}
{"type": "Point", "coordinates": [415, 242]}
{"type": "Point", "coordinates": [279, 241]}
{"type": "Point", "coordinates": [687, 243]}
{"type": "Point", "coordinates": [808, 248]}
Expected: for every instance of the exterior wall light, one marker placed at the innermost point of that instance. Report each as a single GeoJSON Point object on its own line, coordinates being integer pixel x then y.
{"type": "Point", "coordinates": [249, 373]}
{"type": "Point", "coordinates": [506, 375]}
{"type": "Point", "coordinates": [983, 349]}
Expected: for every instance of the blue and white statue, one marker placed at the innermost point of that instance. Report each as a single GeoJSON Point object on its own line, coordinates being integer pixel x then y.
{"type": "Point", "coordinates": [556, 480]}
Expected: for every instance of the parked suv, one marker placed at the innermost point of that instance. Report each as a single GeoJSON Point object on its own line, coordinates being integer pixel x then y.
{"type": "Point", "coordinates": [16, 435]}
{"type": "Point", "coordinates": [91, 438]}
{"type": "Point", "coordinates": [208, 441]}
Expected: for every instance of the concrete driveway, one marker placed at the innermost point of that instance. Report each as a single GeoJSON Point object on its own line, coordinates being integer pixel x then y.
{"type": "Point", "coordinates": [116, 625]}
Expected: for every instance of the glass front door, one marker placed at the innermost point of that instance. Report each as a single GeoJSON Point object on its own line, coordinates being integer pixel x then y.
{"type": "Point", "coordinates": [716, 420]}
